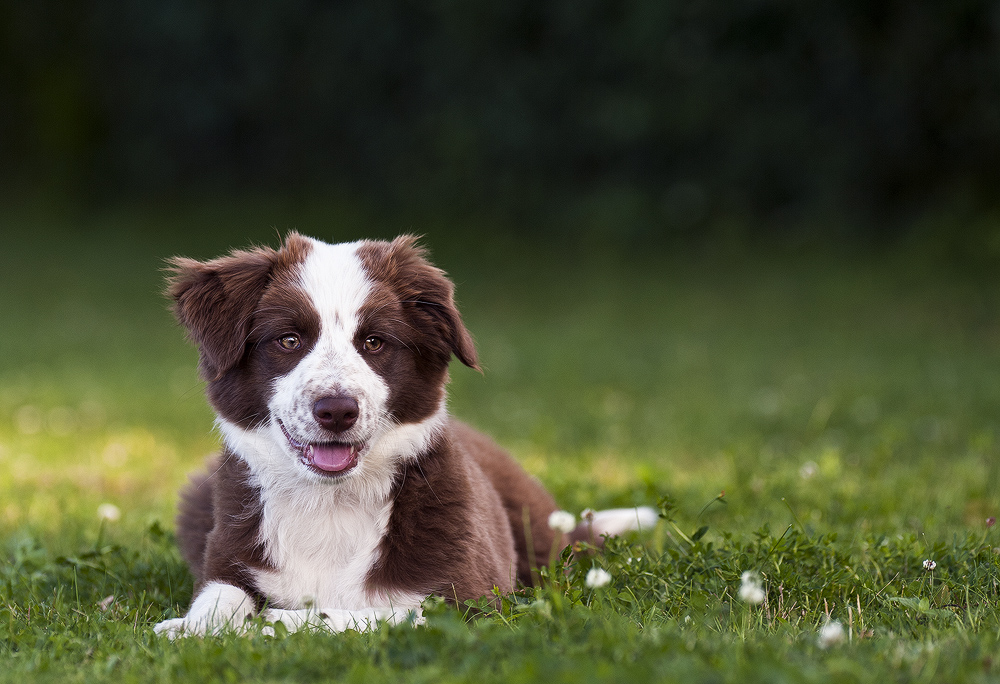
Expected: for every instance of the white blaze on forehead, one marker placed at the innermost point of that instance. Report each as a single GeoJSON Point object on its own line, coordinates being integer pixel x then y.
{"type": "Point", "coordinates": [335, 279]}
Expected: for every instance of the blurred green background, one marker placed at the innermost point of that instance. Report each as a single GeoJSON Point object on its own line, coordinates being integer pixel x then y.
{"type": "Point", "coordinates": [735, 245]}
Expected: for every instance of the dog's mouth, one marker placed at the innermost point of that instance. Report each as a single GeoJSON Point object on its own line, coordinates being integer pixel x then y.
{"type": "Point", "coordinates": [325, 458]}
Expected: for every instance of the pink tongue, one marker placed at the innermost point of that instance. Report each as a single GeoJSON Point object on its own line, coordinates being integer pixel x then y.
{"type": "Point", "coordinates": [330, 457]}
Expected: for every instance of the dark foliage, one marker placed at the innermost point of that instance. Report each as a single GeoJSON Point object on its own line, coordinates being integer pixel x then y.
{"type": "Point", "coordinates": [667, 113]}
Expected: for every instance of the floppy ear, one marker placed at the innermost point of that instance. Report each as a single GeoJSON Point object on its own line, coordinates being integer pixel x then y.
{"type": "Point", "coordinates": [215, 301]}
{"type": "Point", "coordinates": [430, 296]}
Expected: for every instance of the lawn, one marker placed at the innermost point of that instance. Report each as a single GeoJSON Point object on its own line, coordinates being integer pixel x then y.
{"type": "Point", "coordinates": [826, 420]}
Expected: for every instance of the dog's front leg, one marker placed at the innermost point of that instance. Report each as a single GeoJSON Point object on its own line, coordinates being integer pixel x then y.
{"type": "Point", "coordinates": [217, 608]}
{"type": "Point", "coordinates": [339, 619]}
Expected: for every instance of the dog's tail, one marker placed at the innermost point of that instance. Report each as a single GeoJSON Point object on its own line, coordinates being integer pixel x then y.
{"type": "Point", "coordinates": [596, 525]}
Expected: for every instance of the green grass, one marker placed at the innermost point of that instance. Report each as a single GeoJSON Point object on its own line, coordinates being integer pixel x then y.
{"type": "Point", "coordinates": [846, 404]}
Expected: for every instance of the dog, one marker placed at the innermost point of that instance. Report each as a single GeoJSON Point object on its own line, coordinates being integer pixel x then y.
{"type": "Point", "coordinates": [344, 494]}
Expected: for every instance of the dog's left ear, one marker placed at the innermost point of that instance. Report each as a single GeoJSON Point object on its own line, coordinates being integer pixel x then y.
{"type": "Point", "coordinates": [429, 295]}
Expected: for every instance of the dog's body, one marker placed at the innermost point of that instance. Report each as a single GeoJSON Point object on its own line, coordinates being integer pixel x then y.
{"type": "Point", "coordinates": [345, 494]}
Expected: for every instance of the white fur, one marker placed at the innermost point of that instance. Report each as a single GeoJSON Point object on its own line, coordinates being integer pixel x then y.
{"type": "Point", "coordinates": [218, 607]}
{"type": "Point", "coordinates": [322, 537]}
{"type": "Point", "coordinates": [335, 282]}
{"type": "Point", "coordinates": [615, 521]}
{"type": "Point", "coordinates": [276, 466]}
{"type": "Point", "coordinates": [341, 620]}
{"type": "Point", "coordinates": [222, 607]}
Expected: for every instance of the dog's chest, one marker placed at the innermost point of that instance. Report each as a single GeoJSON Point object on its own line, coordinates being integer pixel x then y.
{"type": "Point", "coordinates": [321, 549]}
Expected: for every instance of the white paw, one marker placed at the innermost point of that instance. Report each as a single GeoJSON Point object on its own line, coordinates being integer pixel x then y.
{"type": "Point", "coordinates": [218, 608]}
{"type": "Point", "coordinates": [171, 629]}
{"type": "Point", "coordinates": [615, 521]}
{"type": "Point", "coordinates": [176, 628]}
{"type": "Point", "coordinates": [340, 620]}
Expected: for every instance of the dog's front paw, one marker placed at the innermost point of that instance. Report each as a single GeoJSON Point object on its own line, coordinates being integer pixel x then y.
{"type": "Point", "coordinates": [218, 608]}
{"type": "Point", "coordinates": [174, 628]}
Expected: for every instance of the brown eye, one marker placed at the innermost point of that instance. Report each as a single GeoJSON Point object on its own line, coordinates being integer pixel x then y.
{"type": "Point", "coordinates": [289, 342]}
{"type": "Point", "coordinates": [373, 344]}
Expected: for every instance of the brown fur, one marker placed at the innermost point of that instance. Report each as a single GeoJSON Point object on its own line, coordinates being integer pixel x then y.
{"type": "Point", "coordinates": [526, 503]}
{"type": "Point", "coordinates": [195, 518]}
{"type": "Point", "coordinates": [218, 527]}
{"type": "Point", "coordinates": [443, 537]}
{"type": "Point", "coordinates": [424, 293]}
{"type": "Point", "coordinates": [216, 299]}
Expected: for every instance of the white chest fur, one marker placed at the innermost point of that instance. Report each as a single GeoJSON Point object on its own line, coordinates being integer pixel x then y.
{"type": "Point", "coordinates": [321, 547]}
{"type": "Point", "coordinates": [322, 538]}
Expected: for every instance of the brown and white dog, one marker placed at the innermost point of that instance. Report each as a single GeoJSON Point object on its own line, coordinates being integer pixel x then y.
{"type": "Point", "coordinates": [344, 494]}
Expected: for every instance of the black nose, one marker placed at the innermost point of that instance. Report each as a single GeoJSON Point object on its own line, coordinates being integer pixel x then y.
{"type": "Point", "coordinates": [336, 413]}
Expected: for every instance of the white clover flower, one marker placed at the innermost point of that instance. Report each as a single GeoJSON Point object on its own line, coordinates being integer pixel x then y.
{"type": "Point", "coordinates": [752, 593]}
{"type": "Point", "coordinates": [751, 589]}
{"type": "Point", "coordinates": [562, 521]}
{"type": "Point", "coordinates": [109, 512]}
{"type": "Point", "coordinates": [830, 634]}
{"type": "Point", "coordinates": [929, 565]}
{"type": "Point", "coordinates": [597, 577]}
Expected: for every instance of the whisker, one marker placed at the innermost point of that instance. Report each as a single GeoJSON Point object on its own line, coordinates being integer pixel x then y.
{"type": "Point", "coordinates": [421, 301]}
{"type": "Point", "coordinates": [429, 486]}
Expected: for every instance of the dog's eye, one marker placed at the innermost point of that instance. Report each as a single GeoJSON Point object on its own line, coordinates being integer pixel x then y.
{"type": "Point", "coordinates": [289, 342]}
{"type": "Point", "coordinates": [373, 344]}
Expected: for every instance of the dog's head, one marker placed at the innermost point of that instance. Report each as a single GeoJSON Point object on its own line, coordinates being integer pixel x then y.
{"type": "Point", "coordinates": [323, 361]}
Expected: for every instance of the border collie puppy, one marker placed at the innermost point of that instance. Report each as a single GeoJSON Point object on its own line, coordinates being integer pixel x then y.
{"type": "Point", "coordinates": [344, 494]}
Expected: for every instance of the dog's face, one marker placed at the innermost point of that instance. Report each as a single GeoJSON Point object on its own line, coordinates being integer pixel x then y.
{"type": "Point", "coordinates": [323, 362]}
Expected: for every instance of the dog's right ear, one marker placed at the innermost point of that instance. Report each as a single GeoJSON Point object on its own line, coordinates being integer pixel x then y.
{"type": "Point", "coordinates": [215, 300]}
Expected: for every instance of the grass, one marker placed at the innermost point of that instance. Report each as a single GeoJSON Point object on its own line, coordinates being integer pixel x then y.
{"type": "Point", "coordinates": [826, 420]}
